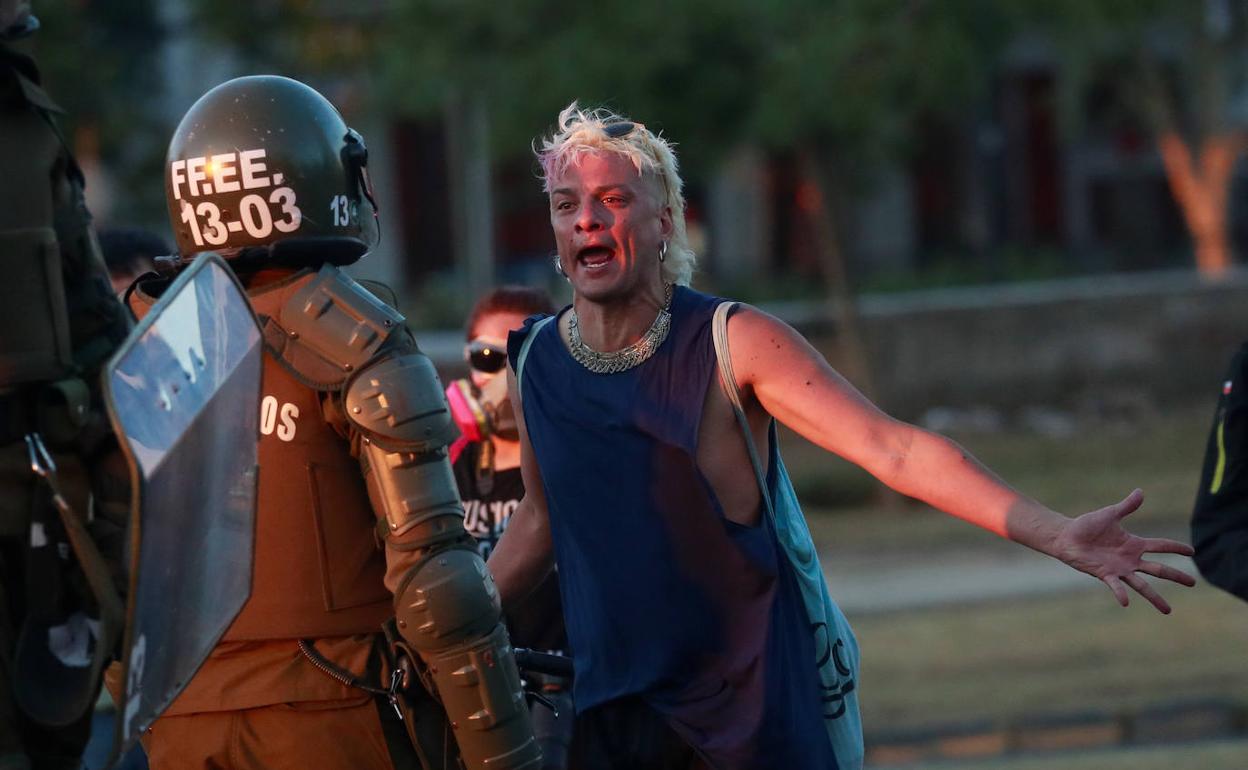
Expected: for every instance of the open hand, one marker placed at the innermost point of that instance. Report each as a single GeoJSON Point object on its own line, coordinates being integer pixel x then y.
{"type": "Point", "coordinates": [1097, 543]}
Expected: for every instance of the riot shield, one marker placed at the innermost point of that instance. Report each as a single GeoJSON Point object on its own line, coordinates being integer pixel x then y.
{"type": "Point", "coordinates": [183, 392]}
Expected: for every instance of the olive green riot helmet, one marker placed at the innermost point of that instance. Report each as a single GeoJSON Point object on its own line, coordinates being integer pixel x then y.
{"type": "Point", "coordinates": [263, 168]}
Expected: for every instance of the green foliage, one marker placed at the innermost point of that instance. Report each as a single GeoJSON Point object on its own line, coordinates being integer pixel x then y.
{"type": "Point", "coordinates": [685, 68]}
{"type": "Point", "coordinates": [856, 74]}
{"type": "Point", "coordinates": [1155, 64]}
{"type": "Point", "coordinates": [99, 61]}
{"type": "Point", "coordinates": [849, 80]}
{"type": "Point", "coordinates": [845, 85]}
{"type": "Point", "coordinates": [850, 75]}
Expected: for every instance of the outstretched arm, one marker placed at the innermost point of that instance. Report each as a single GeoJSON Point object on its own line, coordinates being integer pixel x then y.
{"type": "Point", "coordinates": [777, 370]}
{"type": "Point", "coordinates": [524, 554]}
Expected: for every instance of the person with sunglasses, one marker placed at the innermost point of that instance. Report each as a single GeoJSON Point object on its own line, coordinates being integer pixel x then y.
{"type": "Point", "coordinates": [685, 614]}
{"type": "Point", "coordinates": [486, 458]}
{"type": "Point", "coordinates": [486, 462]}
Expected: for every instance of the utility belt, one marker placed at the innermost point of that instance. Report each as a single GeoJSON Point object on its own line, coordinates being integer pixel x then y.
{"type": "Point", "coordinates": [396, 677]}
{"type": "Point", "coordinates": [404, 687]}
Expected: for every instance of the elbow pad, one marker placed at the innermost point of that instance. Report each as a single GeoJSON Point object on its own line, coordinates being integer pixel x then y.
{"type": "Point", "coordinates": [447, 609]}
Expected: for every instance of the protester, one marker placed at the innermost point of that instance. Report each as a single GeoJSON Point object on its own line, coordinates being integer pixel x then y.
{"type": "Point", "coordinates": [683, 617]}
{"type": "Point", "coordinates": [487, 468]}
{"type": "Point", "coordinates": [487, 471]}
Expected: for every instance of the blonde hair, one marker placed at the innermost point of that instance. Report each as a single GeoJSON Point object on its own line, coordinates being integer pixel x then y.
{"type": "Point", "coordinates": [580, 131]}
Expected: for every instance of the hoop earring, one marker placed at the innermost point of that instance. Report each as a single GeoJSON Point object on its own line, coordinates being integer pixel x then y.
{"type": "Point", "coordinates": [663, 251]}
{"type": "Point", "coordinates": [559, 268]}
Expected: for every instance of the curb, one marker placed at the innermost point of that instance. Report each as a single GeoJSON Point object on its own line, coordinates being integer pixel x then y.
{"type": "Point", "coordinates": [1178, 722]}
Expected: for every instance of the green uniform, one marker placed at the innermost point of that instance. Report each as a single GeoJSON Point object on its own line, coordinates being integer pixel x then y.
{"type": "Point", "coordinates": [60, 323]}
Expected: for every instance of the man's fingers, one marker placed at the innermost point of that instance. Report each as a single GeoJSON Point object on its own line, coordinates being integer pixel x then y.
{"type": "Point", "coordinates": [1166, 572]}
{"type": "Point", "coordinates": [1120, 593]}
{"type": "Point", "coordinates": [1164, 545]}
{"type": "Point", "coordinates": [1142, 587]}
{"type": "Point", "coordinates": [1129, 504]}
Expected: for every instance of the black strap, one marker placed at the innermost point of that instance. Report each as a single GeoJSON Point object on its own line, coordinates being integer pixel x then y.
{"type": "Point", "coordinates": [331, 669]}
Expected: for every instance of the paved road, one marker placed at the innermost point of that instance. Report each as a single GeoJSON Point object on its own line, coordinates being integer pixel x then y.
{"type": "Point", "coordinates": [864, 584]}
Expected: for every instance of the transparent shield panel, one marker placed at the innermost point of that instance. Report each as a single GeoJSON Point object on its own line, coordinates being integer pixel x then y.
{"type": "Point", "coordinates": [184, 391]}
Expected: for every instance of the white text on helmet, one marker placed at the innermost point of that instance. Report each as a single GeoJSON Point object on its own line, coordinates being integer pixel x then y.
{"type": "Point", "coordinates": [204, 175]}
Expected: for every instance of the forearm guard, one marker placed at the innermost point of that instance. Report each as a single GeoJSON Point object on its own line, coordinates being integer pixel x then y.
{"type": "Point", "coordinates": [446, 605]}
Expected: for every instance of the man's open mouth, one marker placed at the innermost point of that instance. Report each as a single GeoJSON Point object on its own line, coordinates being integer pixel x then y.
{"type": "Point", "coordinates": [594, 256]}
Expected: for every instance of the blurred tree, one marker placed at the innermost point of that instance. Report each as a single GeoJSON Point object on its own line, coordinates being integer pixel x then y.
{"type": "Point", "coordinates": [844, 86]}
{"type": "Point", "coordinates": [847, 84]}
{"type": "Point", "coordinates": [100, 61]}
{"type": "Point", "coordinates": [840, 84]}
{"type": "Point", "coordinates": [1176, 68]}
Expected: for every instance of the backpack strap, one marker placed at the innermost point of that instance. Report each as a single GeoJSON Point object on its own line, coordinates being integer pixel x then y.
{"type": "Point", "coordinates": [719, 330]}
{"type": "Point", "coordinates": [524, 353]}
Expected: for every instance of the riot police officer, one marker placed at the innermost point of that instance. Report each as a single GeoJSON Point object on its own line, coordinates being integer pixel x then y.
{"type": "Point", "coordinates": [354, 426]}
{"type": "Point", "coordinates": [60, 536]}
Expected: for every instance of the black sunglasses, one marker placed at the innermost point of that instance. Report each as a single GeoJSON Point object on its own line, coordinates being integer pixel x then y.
{"type": "Point", "coordinates": [486, 357]}
{"type": "Point", "coordinates": [619, 128]}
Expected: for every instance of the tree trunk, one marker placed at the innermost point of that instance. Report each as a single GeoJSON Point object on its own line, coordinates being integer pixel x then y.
{"type": "Point", "coordinates": [1202, 186]}
{"type": "Point", "coordinates": [819, 206]}
{"type": "Point", "coordinates": [467, 126]}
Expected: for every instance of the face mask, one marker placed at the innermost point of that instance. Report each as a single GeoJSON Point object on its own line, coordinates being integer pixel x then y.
{"type": "Point", "coordinates": [481, 413]}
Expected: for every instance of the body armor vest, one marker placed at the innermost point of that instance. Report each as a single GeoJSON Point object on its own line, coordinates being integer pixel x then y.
{"type": "Point", "coordinates": [318, 570]}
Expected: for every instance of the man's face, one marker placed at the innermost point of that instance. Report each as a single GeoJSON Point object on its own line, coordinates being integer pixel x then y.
{"type": "Point", "coordinates": [609, 223]}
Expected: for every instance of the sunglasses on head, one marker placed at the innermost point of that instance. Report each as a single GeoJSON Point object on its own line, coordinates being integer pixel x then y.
{"type": "Point", "coordinates": [619, 128]}
{"type": "Point", "coordinates": [486, 357]}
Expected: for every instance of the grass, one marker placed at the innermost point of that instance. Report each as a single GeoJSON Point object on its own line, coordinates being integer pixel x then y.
{"type": "Point", "coordinates": [1010, 663]}
{"type": "Point", "coordinates": [1161, 454]}
{"type": "Point", "coordinates": [1007, 663]}
{"type": "Point", "coordinates": [1214, 755]}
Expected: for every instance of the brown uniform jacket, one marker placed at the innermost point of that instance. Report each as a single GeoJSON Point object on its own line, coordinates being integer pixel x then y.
{"type": "Point", "coordinates": [318, 570]}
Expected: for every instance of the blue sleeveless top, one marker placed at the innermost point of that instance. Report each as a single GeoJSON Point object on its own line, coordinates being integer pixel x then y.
{"type": "Point", "coordinates": [664, 597]}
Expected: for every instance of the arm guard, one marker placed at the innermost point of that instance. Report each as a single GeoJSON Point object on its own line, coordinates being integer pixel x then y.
{"type": "Point", "coordinates": [446, 604]}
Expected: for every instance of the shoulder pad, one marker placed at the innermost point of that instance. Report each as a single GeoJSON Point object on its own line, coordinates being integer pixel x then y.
{"type": "Point", "coordinates": [330, 327]}
{"type": "Point", "coordinates": [399, 403]}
